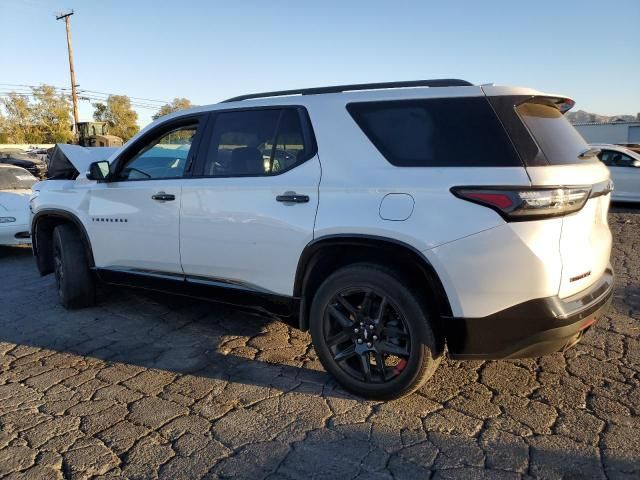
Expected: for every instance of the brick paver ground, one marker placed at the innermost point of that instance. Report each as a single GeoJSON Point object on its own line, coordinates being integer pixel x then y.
{"type": "Point", "coordinates": [146, 386]}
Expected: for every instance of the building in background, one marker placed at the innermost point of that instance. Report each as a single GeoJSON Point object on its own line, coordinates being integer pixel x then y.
{"type": "Point", "coordinates": [620, 132]}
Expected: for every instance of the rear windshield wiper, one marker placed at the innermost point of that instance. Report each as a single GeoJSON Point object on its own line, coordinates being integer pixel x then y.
{"type": "Point", "coordinates": [589, 152]}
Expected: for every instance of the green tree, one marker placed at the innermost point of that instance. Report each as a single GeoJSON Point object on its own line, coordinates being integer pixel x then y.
{"type": "Point", "coordinates": [119, 114]}
{"type": "Point", "coordinates": [46, 119]}
{"type": "Point", "coordinates": [51, 115]}
{"type": "Point", "coordinates": [4, 136]}
{"type": "Point", "coordinates": [18, 124]}
{"type": "Point", "coordinates": [174, 106]}
{"type": "Point", "coordinates": [100, 112]}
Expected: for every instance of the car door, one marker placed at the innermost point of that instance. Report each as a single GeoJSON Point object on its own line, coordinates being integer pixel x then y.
{"type": "Point", "coordinates": [135, 215]}
{"type": "Point", "coordinates": [249, 210]}
{"type": "Point", "coordinates": [625, 174]}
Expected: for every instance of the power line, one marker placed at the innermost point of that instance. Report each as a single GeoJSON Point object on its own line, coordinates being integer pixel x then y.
{"type": "Point", "coordinates": [84, 90]}
{"type": "Point", "coordinates": [135, 98]}
{"type": "Point", "coordinates": [81, 96]}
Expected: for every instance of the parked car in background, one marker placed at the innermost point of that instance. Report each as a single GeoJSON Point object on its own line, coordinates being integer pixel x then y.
{"type": "Point", "coordinates": [634, 147]}
{"type": "Point", "coordinates": [34, 165]}
{"type": "Point", "coordinates": [370, 215]}
{"type": "Point", "coordinates": [40, 153]}
{"type": "Point", "coordinates": [15, 190]}
{"type": "Point", "coordinates": [624, 165]}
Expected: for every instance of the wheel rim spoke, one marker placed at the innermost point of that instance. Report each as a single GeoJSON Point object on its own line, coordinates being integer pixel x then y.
{"type": "Point", "coordinates": [345, 303]}
{"type": "Point", "coordinates": [391, 349]}
{"type": "Point", "coordinates": [365, 307]}
{"type": "Point", "coordinates": [381, 366]}
{"type": "Point", "coordinates": [342, 320]}
{"type": "Point", "coordinates": [339, 338]}
{"type": "Point", "coordinates": [366, 366]}
{"type": "Point", "coordinates": [394, 332]}
{"type": "Point", "coordinates": [383, 305]}
{"type": "Point", "coordinates": [345, 354]}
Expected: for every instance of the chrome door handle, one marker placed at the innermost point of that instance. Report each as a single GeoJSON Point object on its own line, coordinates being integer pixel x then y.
{"type": "Point", "coordinates": [163, 197]}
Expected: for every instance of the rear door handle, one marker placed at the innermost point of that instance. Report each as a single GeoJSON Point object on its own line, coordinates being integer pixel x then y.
{"type": "Point", "coordinates": [163, 197]}
{"type": "Point", "coordinates": [292, 197]}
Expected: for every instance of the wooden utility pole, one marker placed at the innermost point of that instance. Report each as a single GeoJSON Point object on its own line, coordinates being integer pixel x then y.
{"type": "Point", "coordinates": [74, 96]}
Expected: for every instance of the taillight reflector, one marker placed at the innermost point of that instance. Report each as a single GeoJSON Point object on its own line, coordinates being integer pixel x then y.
{"type": "Point", "coordinates": [500, 200]}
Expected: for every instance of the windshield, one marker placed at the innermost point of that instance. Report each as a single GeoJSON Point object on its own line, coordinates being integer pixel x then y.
{"type": "Point", "coordinates": [14, 178]}
{"type": "Point", "coordinates": [556, 137]}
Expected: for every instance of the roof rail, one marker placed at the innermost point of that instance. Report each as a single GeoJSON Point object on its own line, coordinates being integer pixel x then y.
{"type": "Point", "coordinates": [440, 82]}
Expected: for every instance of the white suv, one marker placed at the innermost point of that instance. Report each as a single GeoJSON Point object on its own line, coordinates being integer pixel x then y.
{"type": "Point", "coordinates": [391, 220]}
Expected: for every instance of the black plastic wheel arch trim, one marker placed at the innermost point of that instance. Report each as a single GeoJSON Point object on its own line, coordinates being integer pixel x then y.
{"type": "Point", "coordinates": [67, 216]}
{"type": "Point", "coordinates": [354, 239]}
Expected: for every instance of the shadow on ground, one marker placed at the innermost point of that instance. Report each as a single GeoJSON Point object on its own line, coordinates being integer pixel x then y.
{"type": "Point", "coordinates": [252, 401]}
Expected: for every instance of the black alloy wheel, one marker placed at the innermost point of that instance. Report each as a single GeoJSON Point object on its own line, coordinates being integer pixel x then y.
{"type": "Point", "coordinates": [372, 332]}
{"type": "Point", "coordinates": [367, 335]}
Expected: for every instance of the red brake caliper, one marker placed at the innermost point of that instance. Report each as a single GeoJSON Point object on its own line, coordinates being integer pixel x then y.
{"type": "Point", "coordinates": [400, 366]}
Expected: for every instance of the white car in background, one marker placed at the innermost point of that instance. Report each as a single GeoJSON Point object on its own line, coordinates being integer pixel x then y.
{"type": "Point", "coordinates": [624, 165]}
{"type": "Point", "coordinates": [15, 190]}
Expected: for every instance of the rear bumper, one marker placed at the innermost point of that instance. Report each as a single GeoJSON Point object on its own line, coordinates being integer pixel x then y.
{"type": "Point", "coordinates": [530, 329]}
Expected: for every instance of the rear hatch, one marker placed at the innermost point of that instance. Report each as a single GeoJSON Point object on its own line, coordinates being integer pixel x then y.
{"type": "Point", "coordinates": [556, 155]}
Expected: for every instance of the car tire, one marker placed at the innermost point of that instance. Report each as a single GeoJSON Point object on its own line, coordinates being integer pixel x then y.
{"type": "Point", "coordinates": [74, 280]}
{"type": "Point", "coordinates": [364, 318]}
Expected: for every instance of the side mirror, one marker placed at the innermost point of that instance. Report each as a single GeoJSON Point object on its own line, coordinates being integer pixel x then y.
{"type": "Point", "coordinates": [99, 171]}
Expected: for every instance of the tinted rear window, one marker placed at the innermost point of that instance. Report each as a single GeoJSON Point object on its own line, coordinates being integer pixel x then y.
{"type": "Point", "coordinates": [443, 132]}
{"type": "Point", "coordinates": [556, 137]}
{"type": "Point", "coordinates": [12, 178]}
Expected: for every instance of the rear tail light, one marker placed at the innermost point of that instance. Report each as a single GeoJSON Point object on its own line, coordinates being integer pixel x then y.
{"type": "Point", "coordinates": [526, 203]}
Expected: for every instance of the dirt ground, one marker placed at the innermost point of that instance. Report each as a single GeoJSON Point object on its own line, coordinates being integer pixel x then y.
{"type": "Point", "coordinates": [147, 385]}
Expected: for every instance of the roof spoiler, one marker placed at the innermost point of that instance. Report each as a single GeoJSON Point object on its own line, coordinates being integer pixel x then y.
{"type": "Point", "coordinates": [563, 104]}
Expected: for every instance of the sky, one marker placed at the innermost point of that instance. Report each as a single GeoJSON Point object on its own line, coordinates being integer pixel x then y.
{"type": "Point", "coordinates": [207, 51]}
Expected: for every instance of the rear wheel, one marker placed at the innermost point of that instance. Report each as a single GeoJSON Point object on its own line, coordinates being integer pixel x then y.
{"type": "Point", "coordinates": [372, 333]}
{"type": "Point", "coordinates": [74, 281]}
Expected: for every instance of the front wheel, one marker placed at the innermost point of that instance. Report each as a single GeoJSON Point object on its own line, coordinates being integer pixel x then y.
{"type": "Point", "coordinates": [372, 333]}
{"type": "Point", "coordinates": [74, 281]}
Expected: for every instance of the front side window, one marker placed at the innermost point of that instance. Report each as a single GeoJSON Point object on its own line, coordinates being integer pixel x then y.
{"type": "Point", "coordinates": [165, 157]}
{"type": "Point", "coordinates": [613, 158]}
{"type": "Point", "coordinates": [605, 157]}
{"type": "Point", "coordinates": [255, 143]}
{"type": "Point", "coordinates": [621, 160]}
{"type": "Point", "coordinates": [441, 132]}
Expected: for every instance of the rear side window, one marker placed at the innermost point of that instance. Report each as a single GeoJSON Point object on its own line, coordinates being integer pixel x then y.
{"type": "Point", "coordinates": [256, 143]}
{"type": "Point", "coordinates": [556, 137]}
{"type": "Point", "coordinates": [443, 132]}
